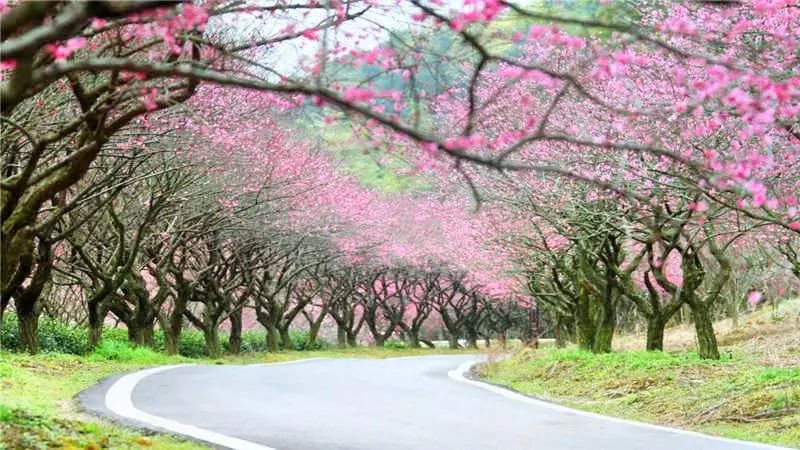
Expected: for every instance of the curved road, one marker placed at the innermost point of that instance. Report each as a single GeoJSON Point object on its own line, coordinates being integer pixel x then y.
{"type": "Point", "coordinates": [365, 404]}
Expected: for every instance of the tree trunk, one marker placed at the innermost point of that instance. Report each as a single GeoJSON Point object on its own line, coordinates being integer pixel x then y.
{"type": "Point", "coordinates": [147, 335]}
{"type": "Point", "coordinates": [352, 339]}
{"type": "Point", "coordinates": [313, 333]}
{"type": "Point", "coordinates": [235, 338]}
{"type": "Point", "coordinates": [559, 335]}
{"type": "Point", "coordinates": [413, 338]}
{"type": "Point", "coordinates": [604, 330]}
{"type": "Point", "coordinates": [472, 340]}
{"type": "Point", "coordinates": [286, 339]}
{"type": "Point", "coordinates": [733, 311]}
{"type": "Point", "coordinates": [655, 333]}
{"type": "Point", "coordinates": [706, 339]}
{"type": "Point", "coordinates": [341, 337]}
{"type": "Point", "coordinates": [134, 333]}
{"type": "Point", "coordinates": [452, 341]}
{"type": "Point", "coordinates": [603, 337]}
{"type": "Point", "coordinates": [96, 318]}
{"type": "Point", "coordinates": [586, 330]}
{"type": "Point", "coordinates": [501, 339]}
{"type": "Point", "coordinates": [29, 331]}
{"type": "Point", "coordinates": [173, 327]}
{"type": "Point", "coordinates": [212, 342]}
{"type": "Point", "coordinates": [273, 339]}
{"type": "Point", "coordinates": [379, 341]}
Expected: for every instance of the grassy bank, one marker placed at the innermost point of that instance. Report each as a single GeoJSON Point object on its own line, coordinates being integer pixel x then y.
{"type": "Point", "coordinates": [753, 393]}
{"type": "Point", "coordinates": [37, 410]}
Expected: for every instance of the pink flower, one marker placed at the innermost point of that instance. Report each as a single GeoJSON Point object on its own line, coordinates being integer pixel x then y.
{"type": "Point", "coordinates": [8, 64]}
{"type": "Point", "coordinates": [699, 207]}
{"type": "Point", "coordinates": [62, 52]}
{"type": "Point", "coordinates": [355, 94]}
{"type": "Point", "coordinates": [794, 226]}
{"type": "Point", "coordinates": [754, 297]}
{"type": "Point", "coordinates": [149, 99]}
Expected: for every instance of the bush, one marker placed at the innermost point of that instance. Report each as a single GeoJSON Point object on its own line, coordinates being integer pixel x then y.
{"type": "Point", "coordinates": [115, 350]}
{"type": "Point", "coordinates": [300, 341]}
{"type": "Point", "coordinates": [395, 344]}
{"type": "Point", "coordinates": [192, 344]}
{"type": "Point", "coordinates": [54, 336]}
{"type": "Point", "coordinates": [57, 337]}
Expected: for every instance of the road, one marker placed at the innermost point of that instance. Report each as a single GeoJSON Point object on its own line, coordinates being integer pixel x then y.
{"type": "Point", "coordinates": [365, 404]}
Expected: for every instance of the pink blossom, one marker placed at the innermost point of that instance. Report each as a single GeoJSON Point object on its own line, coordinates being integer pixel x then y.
{"type": "Point", "coordinates": [356, 94]}
{"type": "Point", "coordinates": [754, 297]}
{"type": "Point", "coordinates": [62, 52]}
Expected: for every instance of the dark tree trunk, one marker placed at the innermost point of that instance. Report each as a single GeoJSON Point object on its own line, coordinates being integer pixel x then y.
{"type": "Point", "coordinates": [97, 315]}
{"type": "Point", "coordinates": [655, 333]}
{"type": "Point", "coordinates": [273, 339]}
{"type": "Point", "coordinates": [604, 332]}
{"type": "Point", "coordinates": [286, 338]}
{"type": "Point", "coordinates": [706, 339]}
{"type": "Point", "coordinates": [212, 342]}
{"type": "Point", "coordinates": [352, 339]}
{"type": "Point", "coordinates": [501, 339]}
{"type": "Point", "coordinates": [559, 335]}
{"type": "Point", "coordinates": [472, 339]}
{"type": "Point", "coordinates": [313, 333]}
{"type": "Point", "coordinates": [413, 338]}
{"type": "Point", "coordinates": [235, 338]}
{"type": "Point", "coordinates": [586, 330]}
{"type": "Point", "coordinates": [134, 333]}
{"type": "Point", "coordinates": [148, 335]}
{"type": "Point", "coordinates": [453, 341]}
{"type": "Point", "coordinates": [171, 341]}
{"type": "Point", "coordinates": [174, 328]}
{"type": "Point", "coordinates": [29, 330]}
{"type": "Point", "coordinates": [341, 337]}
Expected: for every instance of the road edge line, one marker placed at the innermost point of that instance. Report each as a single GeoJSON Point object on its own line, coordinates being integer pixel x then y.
{"type": "Point", "coordinates": [118, 400]}
{"type": "Point", "coordinates": [458, 375]}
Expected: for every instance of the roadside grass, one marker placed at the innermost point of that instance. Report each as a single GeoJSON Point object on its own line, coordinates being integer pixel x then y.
{"type": "Point", "coordinates": [37, 409]}
{"type": "Point", "coordinates": [752, 393]}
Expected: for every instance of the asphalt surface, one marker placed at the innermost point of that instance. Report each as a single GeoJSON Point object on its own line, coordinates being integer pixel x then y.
{"type": "Point", "coordinates": [364, 404]}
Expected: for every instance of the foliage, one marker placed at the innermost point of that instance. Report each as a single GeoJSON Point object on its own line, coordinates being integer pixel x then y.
{"type": "Point", "coordinates": [301, 342]}
{"type": "Point", "coordinates": [57, 337]}
{"type": "Point", "coordinates": [395, 344]}
{"type": "Point", "coordinates": [54, 336]}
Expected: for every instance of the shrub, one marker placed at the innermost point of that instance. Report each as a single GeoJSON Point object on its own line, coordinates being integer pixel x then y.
{"type": "Point", "coordinates": [115, 350]}
{"type": "Point", "coordinates": [395, 344]}
{"type": "Point", "coordinates": [300, 341]}
{"type": "Point", "coordinates": [192, 344]}
{"type": "Point", "coordinates": [54, 336]}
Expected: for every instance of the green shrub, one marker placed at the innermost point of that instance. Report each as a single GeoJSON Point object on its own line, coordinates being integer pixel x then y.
{"type": "Point", "coordinates": [115, 350]}
{"type": "Point", "coordinates": [300, 341]}
{"type": "Point", "coordinates": [192, 344]}
{"type": "Point", "coordinates": [54, 336]}
{"type": "Point", "coordinates": [9, 332]}
{"type": "Point", "coordinates": [395, 344]}
{"type": "Point", "coordinates": [57, 337]}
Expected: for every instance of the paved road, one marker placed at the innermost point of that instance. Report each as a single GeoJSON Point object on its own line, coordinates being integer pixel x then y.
{"type": "Point", "coordinates": [392, 404]}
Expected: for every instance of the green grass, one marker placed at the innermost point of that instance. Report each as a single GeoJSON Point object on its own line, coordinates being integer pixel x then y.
{"type": "Point", "coordinates": [736, 397]}
{"type": "Point", "coordinates": [37, 409]}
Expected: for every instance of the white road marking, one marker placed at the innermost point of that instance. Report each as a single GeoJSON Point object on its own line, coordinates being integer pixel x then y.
{"type": "Point", "coordinates": [458, 375]}
{"type": "Point", "coordinates": [118, 401]}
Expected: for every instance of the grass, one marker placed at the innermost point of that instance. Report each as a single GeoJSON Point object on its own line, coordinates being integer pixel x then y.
{"type": "Point", "coordinates": [37, 409]}
{"type": "Point", "coordinates": [752, 393]}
